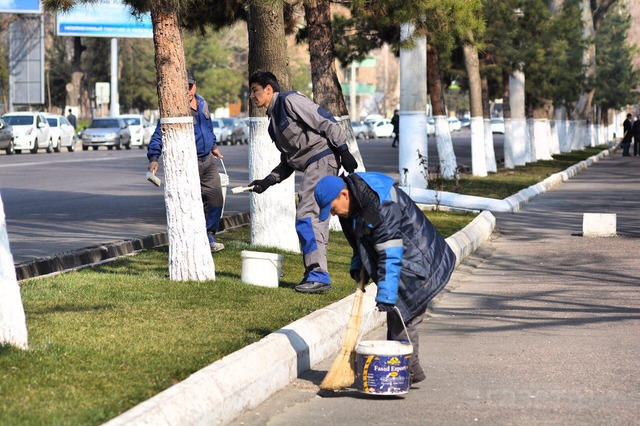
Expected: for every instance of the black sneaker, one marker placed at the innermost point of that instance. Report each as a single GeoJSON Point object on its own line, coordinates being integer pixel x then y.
{"type": "Point", "coordinates": [313, 287]}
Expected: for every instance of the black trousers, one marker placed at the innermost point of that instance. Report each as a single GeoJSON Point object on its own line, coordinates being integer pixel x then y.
{"type": "Point", "coordinates": [636, 145]}
{"type": "Point", "coordinates": [395, 331]}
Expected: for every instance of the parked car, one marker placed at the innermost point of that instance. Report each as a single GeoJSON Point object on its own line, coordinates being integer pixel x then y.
{"type": "Point", "coordinates": [383, 128]}
{"type": "Point", "coordinates": [454, 124]}
{"type": "Point", "coordinates": [30, 131]}
{"type": "Point", "coordinates": [431, 126]}
{"type": "Point", "coordinates": [140, 129]}
{"type": "Point", "coordinates": [220, 130]}
{"type": "Point", "coordinates": [245, 128]}
{"type": "Point", "coordinates": [465, 122]}
{"type": "Point", "coordinates": [6, 137]}
{"type": "Point", "coordinates": [62, 132]}
{"type": "Point", "coordinates": [236, 133]}
{"type": "Point", "coordinates": [107, 131]}
{"type": "Point", "coordinates": [360, 130]}
{"type": "Point", "coordinates": [497, 125]}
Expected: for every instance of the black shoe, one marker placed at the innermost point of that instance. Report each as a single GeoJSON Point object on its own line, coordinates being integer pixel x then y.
{"type": "Point", "coordinates": [417, 378]}
{"type": "Point", "coordinates": [313, 287]}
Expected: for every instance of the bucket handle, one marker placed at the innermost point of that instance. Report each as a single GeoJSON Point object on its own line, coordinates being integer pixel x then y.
{"type": "Point", "coordinates": [281, 274]}
{"type": "Point", "coordinates": [223, 167]}
{"type": "Point", "coordinates": [395, 308]}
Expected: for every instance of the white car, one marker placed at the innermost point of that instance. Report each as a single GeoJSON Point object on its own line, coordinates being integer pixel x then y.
{"type": "Point", "coordinates": [431, 126]}
{"type": "Point", "coordinates": [497, 125]}
{"type": "Point", "coordinates": [220, 130]}
{"type": "Point", "coordinates": [383, 128]}
{"type": "Point", "coordinates": [30, 131]}
{"type": "Point", "coordinates": [454, 124]}
{"type": "Point", "coordinates": [141, 130]}
{"type": "Point", "coordinates": [63, 134]}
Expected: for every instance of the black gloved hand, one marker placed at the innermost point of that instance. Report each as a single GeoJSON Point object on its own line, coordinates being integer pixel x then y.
{"type": "Point", "coordinates": [384, 307]}
{"type": "Point", "coordinates": [348, 161]}
{"type": "Point", "coordinates": [355, 274]}
{"type": "Point", "coordinates": [261, 185]}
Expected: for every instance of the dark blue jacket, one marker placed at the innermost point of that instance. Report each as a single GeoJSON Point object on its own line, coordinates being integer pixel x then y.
{"type": "Point", "coordinates": [403, 253]}
{"type": "Point", "coordinates": [202, 128]}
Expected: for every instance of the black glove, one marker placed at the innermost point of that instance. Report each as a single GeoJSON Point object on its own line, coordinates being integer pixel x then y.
{"type": "Point", "coordinates": [384, 307]}
{"type": "Point", "coordinates": [261, 185]}
{"type": "Point", "coordinates": [348, 162]}
{"type": "Point", "coordinates": [355, 274]}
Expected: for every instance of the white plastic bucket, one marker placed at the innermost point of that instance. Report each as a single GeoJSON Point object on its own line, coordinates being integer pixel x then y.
{"type": "Point", "coordinates": [383, 367]}
{"type": "Point", "coordinates": [263, 269]}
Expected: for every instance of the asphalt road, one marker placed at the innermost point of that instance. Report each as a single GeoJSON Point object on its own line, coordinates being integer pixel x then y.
{"type": "Point", "coordinates": [66, 201]}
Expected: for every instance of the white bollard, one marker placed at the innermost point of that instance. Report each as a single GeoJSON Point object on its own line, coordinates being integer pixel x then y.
{"type": "Point", "coordinates": [599, 225]}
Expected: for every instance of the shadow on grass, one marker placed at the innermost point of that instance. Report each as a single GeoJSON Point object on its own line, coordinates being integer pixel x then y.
{"type": "Point", "coordinates": [71, 308]}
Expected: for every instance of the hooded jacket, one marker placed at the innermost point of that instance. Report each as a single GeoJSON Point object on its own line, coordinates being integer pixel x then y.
{"type": "Point", "coordinates": [403, 253]}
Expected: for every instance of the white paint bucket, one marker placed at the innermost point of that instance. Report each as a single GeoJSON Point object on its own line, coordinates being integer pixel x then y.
{"type": "Point", "coordinates": [263, 269]}
{"type": "Point", "coordinates": [383, 367]}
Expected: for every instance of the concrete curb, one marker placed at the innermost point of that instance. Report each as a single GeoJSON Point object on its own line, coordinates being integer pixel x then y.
{"type": "Point", "coordinates": [220, 392]}
{"type": "Point", "coordinates": [512, 203]}
{"type": "Point", "coordinates": [89, 256]}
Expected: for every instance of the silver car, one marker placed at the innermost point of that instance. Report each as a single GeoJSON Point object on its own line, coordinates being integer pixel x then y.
{"type": "Point", "coordinates": [6, 137]}
{"type": "Point", "coordinates": [107, 131]}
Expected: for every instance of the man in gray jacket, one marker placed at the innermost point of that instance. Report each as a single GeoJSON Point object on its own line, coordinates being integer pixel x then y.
{"type": "Point", "coordinates": [310, 141]}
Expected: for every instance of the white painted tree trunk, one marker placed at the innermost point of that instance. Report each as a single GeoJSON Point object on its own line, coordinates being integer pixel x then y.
{"type": "Point", "coordinates": [509, 162]}
{"type": "Point", "coordinates": [531, 145]}
{"type": "Point", "coordinates": [273, 213]}
{"type": "Point", "coordinates": [553, 132]}
{"type": "Point", "coordinates": [489, 152]}
{"type": "Point", "coordinates": [561, 126]}
{"type": "Point", "coordinates": [518, 120]}
{"type": "Point", "coordinates": [352, 142]}
{"type": "Point", "coordinates": [413, 112]}
{"type": "Point", "coordinates": [189, 253]}
{"type": "Point", "coordinates": [541, 139]}
{"type": "Point", "coordinates": [571, 132]}
{"type": "Point", "coordinates": [13, 324]}
{"type": "Point", "coordinates": [444, 144]}
{"type": "Point", "coordinates": [478, 157]}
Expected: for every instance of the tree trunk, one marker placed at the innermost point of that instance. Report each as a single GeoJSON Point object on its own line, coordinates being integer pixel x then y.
{"type": "Point", "coordinates": [506, 115]}
{"type": "Point", "coordinates": [189, 254]}
{"type": "Point", "coordinates": [413, 112]}
{"type": "Point", "coordinates": [489, 152]}
{"type": "Point", "coordinates": [73, 95]}
{"type": "Point", "coordinates": [478, 161]}
{"type": "Point", "coordinates": [446, 154]}
{"type": "Point", "coordinates": [273, 212]}
{"type": "Point", "coordinates": [327, 91]}
{"type": "Point", "coordinates": [518, 119]}
{"type": "Point", "coordinates": [13, 325]}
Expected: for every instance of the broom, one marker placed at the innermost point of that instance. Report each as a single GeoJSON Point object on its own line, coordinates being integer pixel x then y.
{"type": "Point", "coordinates": [343, 370]}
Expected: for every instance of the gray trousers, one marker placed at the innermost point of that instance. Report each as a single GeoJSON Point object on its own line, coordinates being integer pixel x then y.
{"type": "Point", "coordinates": [211, 190]}
{"type": "Point", "coordinates": [395, 331]}
{"type": "Point", "coordinates": [312, 233]}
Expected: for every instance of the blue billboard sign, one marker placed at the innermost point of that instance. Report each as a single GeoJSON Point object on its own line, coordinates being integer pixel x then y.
{"type": "Point", "coordinates": [104, 19]}
{"type": "Point", "coordinates": [20, 6]}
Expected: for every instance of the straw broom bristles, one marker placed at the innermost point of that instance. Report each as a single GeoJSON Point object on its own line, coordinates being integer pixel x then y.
{"type": "Point", "coordinates": [343, 370]}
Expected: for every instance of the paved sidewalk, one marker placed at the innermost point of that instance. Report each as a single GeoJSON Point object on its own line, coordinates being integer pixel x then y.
{"type": "Point", "coordinates": [540, 326]}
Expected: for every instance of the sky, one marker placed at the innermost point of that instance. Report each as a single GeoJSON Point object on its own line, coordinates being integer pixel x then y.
{"type": "Point", "coordinates": [18, 5]}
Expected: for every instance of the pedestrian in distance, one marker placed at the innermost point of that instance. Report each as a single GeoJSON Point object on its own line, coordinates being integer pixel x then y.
{"type": "Point", "coordinates": [400, 250]}
{"type": "Point", "coordinates": [208, 152]}
{"type": "Point", "coordinates": [627, 126]}
{"type": "Point", "coordinates": [635, 131]}
{"type": "Point", "coordinates": [72, 119]}
{"type": "Point", "coordinates": [310, 141]}
{"type": "Point", "coordinates": [395, 121]}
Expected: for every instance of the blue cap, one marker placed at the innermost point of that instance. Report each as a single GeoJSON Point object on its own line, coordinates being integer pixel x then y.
{"type": "Point", "coordinates": [326, 191]}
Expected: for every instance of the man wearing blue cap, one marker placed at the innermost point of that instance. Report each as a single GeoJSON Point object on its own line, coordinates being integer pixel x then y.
{"type": "Point", "coordinates": [402, 252]}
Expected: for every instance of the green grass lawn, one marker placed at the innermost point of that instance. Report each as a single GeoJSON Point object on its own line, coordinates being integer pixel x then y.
{"type": "Point", "coordinates": [507, 182]}
{"type": "Point", "coordinates": [104, 339]}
